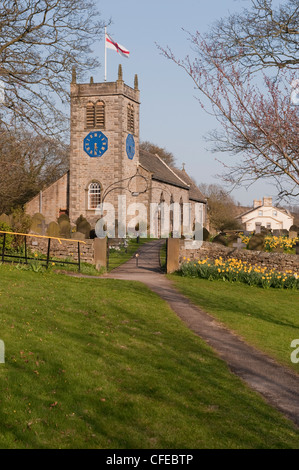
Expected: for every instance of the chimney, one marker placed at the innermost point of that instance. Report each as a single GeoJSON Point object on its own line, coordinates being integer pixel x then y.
{"type": "Point", "coordinates": [267, 201]}
{"type": "Point", "coordinates": [257, 203]}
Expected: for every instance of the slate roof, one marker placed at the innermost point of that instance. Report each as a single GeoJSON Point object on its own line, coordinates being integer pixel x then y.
{"type": "Point", "coordinates": [165, 174]}
{"type": "Point", "coordinates": [195, 194]}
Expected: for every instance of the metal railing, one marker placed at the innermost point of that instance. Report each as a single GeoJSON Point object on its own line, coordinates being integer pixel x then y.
{"type": "Point", "coordinates": [27, 254]}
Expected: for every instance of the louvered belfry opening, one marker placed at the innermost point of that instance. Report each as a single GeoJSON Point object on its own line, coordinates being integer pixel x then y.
{"type": "Point", "coordinates": [90, 115]}
{"type": "Point", "coordinates": [131, 126]}
{"type": "Point", "coordinates": [100, 114]}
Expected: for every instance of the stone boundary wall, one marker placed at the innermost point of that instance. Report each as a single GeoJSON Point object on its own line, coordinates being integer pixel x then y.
{"type": "Point", "coordinates": [64, 249]}
{"type": "Point", "coordinates": [212, 251]}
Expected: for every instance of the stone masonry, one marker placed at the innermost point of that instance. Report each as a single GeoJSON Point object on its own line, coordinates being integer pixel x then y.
{"type": "Point", "coordinates": [212, 251]}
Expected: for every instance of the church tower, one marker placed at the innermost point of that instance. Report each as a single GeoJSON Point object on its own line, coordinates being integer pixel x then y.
{"type": "Point", "coordinates": [104, 146]}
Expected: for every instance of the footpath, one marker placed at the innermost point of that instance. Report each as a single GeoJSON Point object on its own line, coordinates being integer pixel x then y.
{"type": "Point", "coordinates": [276, 383]}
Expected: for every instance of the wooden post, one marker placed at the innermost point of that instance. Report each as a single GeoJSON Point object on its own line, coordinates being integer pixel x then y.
{"type": "Point", "coordinates": [3, 247]}
{"type": "Point", "coordinates": [172, 254]}
{"type": "Point", "coordinates": [100, 252]}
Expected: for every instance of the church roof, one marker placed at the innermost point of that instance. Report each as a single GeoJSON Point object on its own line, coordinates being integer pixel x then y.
{"type": "Point", "coordinates": [160, 170]}
{"type": "Point", "coordinates": [170, 175]}
{"type": "Point", "coordinates": [165, 174]}
{"type": "Point", "coordinates": [194, 194]}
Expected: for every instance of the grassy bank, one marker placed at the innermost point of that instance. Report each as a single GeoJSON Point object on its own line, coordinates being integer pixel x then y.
{"type": "Point", "coordinates": [106, 364]}
{"type": "Point", "coordinates": [265, 318]}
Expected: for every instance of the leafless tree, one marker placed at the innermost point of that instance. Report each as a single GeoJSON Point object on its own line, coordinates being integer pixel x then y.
{"type": "Point", "coordinates": [260, 37]}
{"type": "Point", "coordinates": [40, 42]}
{"type": "Point", "coordinates": [258, 123]}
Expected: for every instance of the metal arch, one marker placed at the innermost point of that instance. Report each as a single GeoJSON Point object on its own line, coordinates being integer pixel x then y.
{"type": "Point", "coordinates": [110, 188]}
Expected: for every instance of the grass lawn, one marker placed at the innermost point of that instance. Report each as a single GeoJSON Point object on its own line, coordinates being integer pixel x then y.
{"type": "Point", "coordinates": [99, 363]}
{"type": "Point", "coordinates": [266, 318]}
{"type": "Point", "coordinates": [118, 257]}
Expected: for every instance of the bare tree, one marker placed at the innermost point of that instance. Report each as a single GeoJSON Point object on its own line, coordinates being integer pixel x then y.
{"type": "Point", "coordinates": [40, 42]}
{"type": "Point", "coordinates": [259, 125]}
{"type": "Point", "coordinates": [222, 210]}
{"type": "Point", "coordinates": [260, 37]}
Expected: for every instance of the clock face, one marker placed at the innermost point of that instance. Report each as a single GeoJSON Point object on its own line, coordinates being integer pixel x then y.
{"type": "Point", "coordinates": [95, 144]}
{"type": "Point", "coordinates": [130, 146]}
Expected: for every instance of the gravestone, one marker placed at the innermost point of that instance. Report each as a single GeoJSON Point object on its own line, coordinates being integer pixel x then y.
{"type": "Point", "coordinates": [239, 245]}
{"type": "Point", "coordinates": [293, 234]}
{"type": "Point", "coordinates": [83, 226]}
{"type": "Point", "coordinates": [220, 239]}
{"type": "Point", "coordinates": [53, 230]}
{"type": "Point", "coordinates": [5, 219]}
{"type": "Point", "coordinates": [38, 224]}
{"type": "Point", "coordinates": [65, 229]}
{"type": "Point", "coordinates": [78, 236]}
{"type": "Point", "coordinates": [256, 242]}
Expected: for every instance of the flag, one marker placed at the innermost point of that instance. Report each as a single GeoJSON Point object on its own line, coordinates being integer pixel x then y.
{"type": "Point", "coordinates": [110, 44]}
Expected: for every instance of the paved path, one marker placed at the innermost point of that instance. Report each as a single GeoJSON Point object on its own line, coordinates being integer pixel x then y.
{"type": "Point", "coordinates": [277, 384]}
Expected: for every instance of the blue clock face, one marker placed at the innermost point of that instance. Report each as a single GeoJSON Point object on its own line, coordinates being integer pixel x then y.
{"type": "Point", "coordinates": [130, 146]}
{"type": "Point", "coordinates": [95, 144]}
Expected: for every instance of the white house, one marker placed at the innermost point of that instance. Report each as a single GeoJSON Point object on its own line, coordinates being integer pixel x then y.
{"type": "Point", "coordinates": [265, 214]}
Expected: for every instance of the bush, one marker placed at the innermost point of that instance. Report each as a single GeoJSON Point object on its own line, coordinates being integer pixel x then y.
{"type": "Point", "coordinates": [9, 239]}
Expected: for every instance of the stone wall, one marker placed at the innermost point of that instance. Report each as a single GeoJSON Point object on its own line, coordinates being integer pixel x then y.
{"type": "Point", "coordinates": [51, 200]}
{"type": "Point", "coordinates": [64, 249]}
{"type": "Point", "coordinates": [212, 251]}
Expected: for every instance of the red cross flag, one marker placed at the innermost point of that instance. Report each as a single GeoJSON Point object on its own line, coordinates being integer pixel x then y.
{"type": "Point", "coordinates": [110, 44]}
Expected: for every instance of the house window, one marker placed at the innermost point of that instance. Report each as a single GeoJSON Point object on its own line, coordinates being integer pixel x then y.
{"type": "Point", "coordinates": [94, 195]}
{"type": "Point", "coordinates": [274, 213]}
{"type": "Point", "coordinates": [100, 114]}
{"type": "Point", "coordinates": [90, 115]}
{"type": "Point", "coordinates": [260, 213]}
{"type": "Point", "coordinates": [130, 118]}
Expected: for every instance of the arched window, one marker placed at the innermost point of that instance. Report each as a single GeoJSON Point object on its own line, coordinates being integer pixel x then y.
{"type": "Point", "coordinates": [130, 118]}
{"type": "Point", "coordinates": [94, 195]}
{"type": "Point", "coordinates": [100, 114]}
{"type": "Point", "coordinates": [90, 115]}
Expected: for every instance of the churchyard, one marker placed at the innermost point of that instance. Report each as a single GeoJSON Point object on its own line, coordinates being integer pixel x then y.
{"type": "Point", "coordinates": [107, 364]}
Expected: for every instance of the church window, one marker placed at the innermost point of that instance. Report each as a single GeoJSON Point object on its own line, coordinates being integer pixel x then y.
{"type": "Point", "coordinates": [90, 115]}
{"type": "Point", "coordinates": [94, 195]}
{"type": "Point", "coordinates": [131, 124]}
{"type": "Point", "coordinates": [100, 114]}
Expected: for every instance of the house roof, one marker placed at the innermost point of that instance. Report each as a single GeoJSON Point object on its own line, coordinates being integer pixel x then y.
{"type": "Point", "coordinates": [165, 174]}
{"type": "Point", "coordinates": [283, 211]}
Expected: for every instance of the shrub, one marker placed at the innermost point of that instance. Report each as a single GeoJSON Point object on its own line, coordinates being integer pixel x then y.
{"type": "Point", "coordinates": [9, 239]}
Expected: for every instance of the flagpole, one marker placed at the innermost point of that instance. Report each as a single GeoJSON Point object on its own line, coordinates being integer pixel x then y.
{"type": "Point", "coordinates": [105, 79]}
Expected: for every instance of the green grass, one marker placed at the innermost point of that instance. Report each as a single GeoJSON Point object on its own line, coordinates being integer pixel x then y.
{"type": "Point", "coordinates": [100, 363]}
{"type": "Point", "coordinates": [118, 257]}
{"type": "Point", "coordinates": [266, 318]}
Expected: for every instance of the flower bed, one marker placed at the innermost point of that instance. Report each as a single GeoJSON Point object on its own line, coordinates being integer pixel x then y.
{"type": "Point", "coordinates": [273, 242]}
{"type": "Point", "coordinates": [234, 270]}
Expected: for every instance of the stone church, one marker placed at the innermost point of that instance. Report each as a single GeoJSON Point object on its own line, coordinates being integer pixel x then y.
{"type": "Point", "coordinates": [105, 161]}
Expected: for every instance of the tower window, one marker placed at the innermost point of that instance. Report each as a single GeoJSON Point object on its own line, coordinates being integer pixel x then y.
{"type": "Point", "coordinates": [94, 195]}
{"type": "Point", "coordinates": [131, 124]}
{"type": "Point", "coordinates": [100, 114]}
{"type": "Point", "coordinates": [90, 115]}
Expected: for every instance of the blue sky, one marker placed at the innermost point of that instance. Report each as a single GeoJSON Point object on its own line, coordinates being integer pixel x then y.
{"type": "Point", "coordinates": [170, 116]}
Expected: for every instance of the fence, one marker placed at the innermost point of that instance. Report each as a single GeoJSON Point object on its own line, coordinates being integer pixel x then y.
{"type": "Point", "coordinates": [9, 257]}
